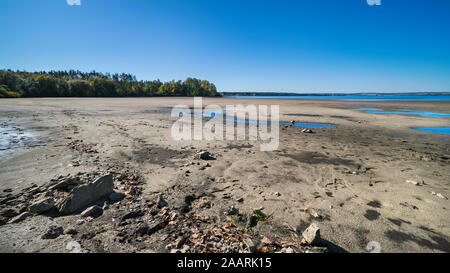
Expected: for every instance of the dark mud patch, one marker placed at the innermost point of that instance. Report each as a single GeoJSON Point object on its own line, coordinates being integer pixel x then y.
{"type": "Point", "coordinates": [302, 115]}
{"type": "Point", "coordinates": [238, 147]}
{"type": "Point", "coordinates": [159, 155]}
{"type": "Point", "coordinates": [437, 241]}
{"type": "Point", "coordinates": [372, 215]}
{"type": "Point", "coordinates": [162, 110]}
{"type": "Point", "coordinates": [318, 158]}
{"type": "Point", "coordinates": [398, 222]}
{"type": "Point", "coordinates": [374, 204]}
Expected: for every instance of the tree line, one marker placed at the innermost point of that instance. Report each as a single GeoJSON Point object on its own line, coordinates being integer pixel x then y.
{"type": "Point", "coordinates": [74, 83]}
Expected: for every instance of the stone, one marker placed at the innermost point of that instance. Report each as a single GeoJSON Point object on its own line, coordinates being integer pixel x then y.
{"type": "Point", "coordinates": [65, 185]}
{"type": "Point", "coordinates": [70, 231]}
{"type": "Point", "coordinates": [53, 232]}
{"type": "Point", "coordinates": [312, 234]}
{"type": "Point", "coordinates": [84, 195]}
{"type": "Point", "coordinates": [289, 250]}
{"type": "Point", "coordinates": [439, 195]}
{"type": "Point", "coordinates": [9, 213]}
{"type": "Point", "coordinates": [161, 202]}
{"type": "Point", "coordinates": [80, 222]}
{"type": "Point", "coordinates": [75, 247]}
{"type": "Point", "coordinates": [20, 217]}
{"type": "Point", "coordinates": [94, 212]}
{"type": "Point", "coordinates": [42, 205]}
{"type": "Point", "coordinates": [116, 196]}
{"type": "Point", "coordinates": [132, 215]}
{"type": "Point", "coordinates": [203, 155]}
{"type": "Point", "coordinates": [232, 211]}
{"type": "Point", "coordinates": [251, 246]}
{"type": "Point", "coordinates": [415, 182]}
{"type": "Point", "coordinates": [132, 190]}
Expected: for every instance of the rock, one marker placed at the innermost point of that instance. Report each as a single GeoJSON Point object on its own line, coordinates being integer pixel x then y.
{"type": "Point", "coordinates": [184, 249]}
{"type": "Point", "coordinates": [439, 195]}
{"type": "Point", "coordinates": [307, 131]}
{"type": "Point", "coordinates": [132, 214]}
{"type": "Point", "coordinates": [53, 232]}
{"type": "Point", "coordinates": [80, 222]}
{"type": "Point", "coordinates": [71, 231]}
{"type": "Point", "coordinates": [75, 247]}
{"type": "Point", "coordinates": [312, 234]}
{"type": "Point", "coordinates": [66, 184]}
{"type": "Point", "coordinates": [204, 155]}
{"type": "Point", "coordinates": [84, 195]}
{"type": "Point", "coordinates": [116, 196]}
{"type": "Point", "coordinates": [251, 246]}
{"type": "Point", "coordinates": [161, 202]}
{"type": "Point", "coordinates": [20, 217]}
{"type": "Point", "coordinates": [9, 213]}
{"type": "Point", "coordinates": [42, 205]}
{"type": "Point", "coordinates": [232, 211]}
{"type": "Point", "coordinates": [132, 190]}
{"type": "Point", "coordinates": [94, 212]}
{"type": "Point", "coordinates": [317, 250]}
{"type": "Point", "coordinates": [415, 182]}
{"type": "Point", "coordinates": [169, 247]}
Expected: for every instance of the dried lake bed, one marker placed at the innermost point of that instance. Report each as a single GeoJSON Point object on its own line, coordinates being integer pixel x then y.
{"type": "Point", "coordinates": [351, 179]}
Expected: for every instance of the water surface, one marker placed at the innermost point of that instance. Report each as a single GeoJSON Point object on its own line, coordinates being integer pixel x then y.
{"type": "Point", "coordinates": [13, 138]}
{"type": "Point", "coordinates": [408, 112]}
{"type": "Point", "coordinates": [212, 114]}
{"type": "Point", "coordinates": [352, 98]}
{"type": "Point", "coordinates": [445, 130]}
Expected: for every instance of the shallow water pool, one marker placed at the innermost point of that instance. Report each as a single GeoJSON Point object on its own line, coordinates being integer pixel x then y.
{"type": "Point", "coordinates": [445, 130]}
{"type": "Point", "coordinates": [297, 124]}
{"type": "Point", "coordinates": [408, 112]}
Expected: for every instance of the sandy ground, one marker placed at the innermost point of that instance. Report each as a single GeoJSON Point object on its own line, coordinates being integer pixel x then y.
{"type": "Point", "coordinates": [350, 179]}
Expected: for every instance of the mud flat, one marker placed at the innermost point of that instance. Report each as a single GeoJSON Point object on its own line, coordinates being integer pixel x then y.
{"type": "Point", "coordinates": [369, 180]}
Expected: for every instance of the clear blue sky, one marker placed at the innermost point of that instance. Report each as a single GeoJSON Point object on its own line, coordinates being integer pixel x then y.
{"type": "Point", "coordinates": [242, 45]}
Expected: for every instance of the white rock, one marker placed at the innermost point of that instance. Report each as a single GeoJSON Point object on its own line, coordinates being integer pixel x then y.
{"type": "Point", "coordinates": [312, 234]}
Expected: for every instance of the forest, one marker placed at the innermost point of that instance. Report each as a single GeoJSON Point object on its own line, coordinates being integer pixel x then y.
{"type": "Point", "coordinates": [74, 83]}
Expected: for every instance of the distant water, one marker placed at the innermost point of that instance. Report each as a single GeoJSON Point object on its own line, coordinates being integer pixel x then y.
{"type": "Point", "coordinates": [445, 131]}
{"type": "Point", "coordinates": [352, 98]}
{"type": "Point", "coordinates": [408, 112]}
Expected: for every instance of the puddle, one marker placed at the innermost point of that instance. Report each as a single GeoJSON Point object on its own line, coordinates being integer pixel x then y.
{"type": "Point", "coordinates": [12, 138]}
{"type": "Point", "coordinates": [297, 124]}
{"type": "Point", "coordinates": [408, 112]}
{"type": "Point", "coordinates": [445, 131]}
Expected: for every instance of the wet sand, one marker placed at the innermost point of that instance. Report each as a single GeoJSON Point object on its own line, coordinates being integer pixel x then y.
{"type": "Point", "coordinates": [349, 179]}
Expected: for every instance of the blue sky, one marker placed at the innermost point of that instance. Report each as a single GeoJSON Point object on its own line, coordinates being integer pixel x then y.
{"type": "Point", "coordinates": [240, 45]}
